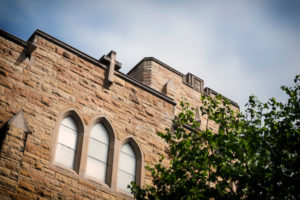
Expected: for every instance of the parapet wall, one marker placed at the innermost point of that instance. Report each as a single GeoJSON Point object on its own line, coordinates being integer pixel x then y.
{"type": "Point", "coordinates": [45, 80]}
{"type": "Point", "coordinates": [165, 79]}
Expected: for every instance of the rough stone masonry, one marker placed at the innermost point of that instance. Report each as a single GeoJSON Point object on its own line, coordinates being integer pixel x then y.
{"type": "Point", "coordinates": [43, 80]}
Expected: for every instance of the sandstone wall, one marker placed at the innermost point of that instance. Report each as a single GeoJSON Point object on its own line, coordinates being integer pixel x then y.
{"type": "Point", "coordinates": [160, 75]}
{"type": "Point", "coordinates": [55, 80]}
{"type": "Point", "coordinates": [58, 78]}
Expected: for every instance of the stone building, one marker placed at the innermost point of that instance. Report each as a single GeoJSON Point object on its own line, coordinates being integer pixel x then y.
{"type": "Point", "coordinates": [74, 127]}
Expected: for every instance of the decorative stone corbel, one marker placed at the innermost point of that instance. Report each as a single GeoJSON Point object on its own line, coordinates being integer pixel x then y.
{"type": "Point", "coordinates": [19, 122]}
{"type": "Point", "coordinates": [29, 49]}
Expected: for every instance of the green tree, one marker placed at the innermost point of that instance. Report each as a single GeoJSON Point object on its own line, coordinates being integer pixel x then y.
{"type": "Point", "coordinates": [254, 155]}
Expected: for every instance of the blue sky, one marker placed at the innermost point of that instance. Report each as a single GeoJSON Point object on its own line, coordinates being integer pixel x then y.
{"type": "Point", "coordinates": [238, 47]}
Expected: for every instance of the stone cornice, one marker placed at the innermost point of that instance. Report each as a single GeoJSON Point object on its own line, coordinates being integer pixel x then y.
{"type": "Point", "coordinates": [145, 87]}
{"type": "Point", "coordinates": [209, 91]}
{"type": "Point", "coordinates": [159, 62]}
{"type": "Point", "coordinates": [96, 62]}
{"type": "Point", "coordinates": [85, 57]}
{"type": "Point", "coordinates": [206, 91]}
{"type": "Point", "coordinates": [13, 38]}
{"type": "Point", "coordinates": [66, 47]}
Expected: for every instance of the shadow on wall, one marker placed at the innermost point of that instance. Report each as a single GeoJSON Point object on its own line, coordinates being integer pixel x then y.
{"type": "Point", "coordinates": [21, 58]}
{"type": "Point", "coordinates": [26, 53]}
{"type": "Point", "coordinates": [3, 132]}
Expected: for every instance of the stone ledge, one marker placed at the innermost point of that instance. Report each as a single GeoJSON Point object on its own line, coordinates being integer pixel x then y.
{"type": "Point", "coordinates": [188, 79]}
{"type": "Point", "coordinates": [13, 38]}
{"type": "Point", "coordinates": [87, 58]}
{"type": "Point", "coordinates": [96, 62]}
{"type": "Point", "coordinates": [146, 88]}
{"type": "Point", "coordinates": [67, 47]}
{"type": "Point", "coordinates": [209, 91]}
{"type": "Point", "coordinates": [159, 62]}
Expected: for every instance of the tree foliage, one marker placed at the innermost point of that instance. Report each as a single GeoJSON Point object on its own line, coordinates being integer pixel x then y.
{"type": "Point", "coordinates": [254, 155]}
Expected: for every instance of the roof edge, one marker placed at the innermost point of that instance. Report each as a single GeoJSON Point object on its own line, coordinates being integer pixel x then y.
{"type": "Point", "coordinates": [87, 58]}
{"type": "Point", "coordinates": [182, 75]}
{"type": "Point", "coordinates": [13, 38]}
{"type": "Point", "coordinates": [97, 63]}
{"type": "Point", "coordinates": [146, 88]}
{"type": "Point", "coordinates": [208, 90]}
{"type": "Point", "coordinates": [67, 47]}
{"type": "Point", "coordinates": [159, 62]}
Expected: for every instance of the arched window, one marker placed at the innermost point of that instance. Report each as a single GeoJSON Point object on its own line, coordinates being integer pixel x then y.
{"type": "Point", "coordinates": [66, 142]}
{"type": "Point", "coordinates": [98, 152]}
{"type": "Point", "coordinates": [127, 167]}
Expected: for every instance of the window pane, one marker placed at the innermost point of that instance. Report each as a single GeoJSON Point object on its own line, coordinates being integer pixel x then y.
{"type": "Point", "coordinates": [67, 136]}
{"type": "Point", "coordinates": [99, 133]}
{"type": "Point", "coordinates": [127, 166]}
{"type": "Point", "coordinates": [69, 122]}
{"type": "Point", "coordinates": [126, 148]}
{"type": "Point", "coordinates": [127, 163]}
{"type": "Point", "coordinates": [65, 156]}
{"type": "Point", "coordinates": [66, 142]}
{"type": "Point", "coordinates": [124, 180]}
{"type": "Point", "coordinates": [96, 169]}
{"type": "Point", "coordinates": [98, 150]}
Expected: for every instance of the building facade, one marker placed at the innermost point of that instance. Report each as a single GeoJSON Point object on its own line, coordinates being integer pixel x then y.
{"type": "Point", "coordinates": [74, 127]}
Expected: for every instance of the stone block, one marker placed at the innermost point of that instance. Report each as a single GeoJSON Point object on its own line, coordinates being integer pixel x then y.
{"type": "Point", "coordinates": [25, 173]}
{"type": "Point", "coordinates": [59, 80]}
{"type": "Point", "coordinates": [103, 96]}
{"type": "Point", "coordinates": [45, 100]}
{"type": "Point", "coordinates": [6, 83]}
{"type": "Point", "coordinates": [26, 185]}
{"type": "Point", "coordinates": [4, 172]}
{"type": "Point", "coordinates": [6, 181]}
{"type": "Point", "coordinates": [68, 55]}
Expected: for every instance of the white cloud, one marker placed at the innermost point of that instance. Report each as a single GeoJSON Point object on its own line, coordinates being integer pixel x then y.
{"type": "Point", "coordinates": [231, 46]}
